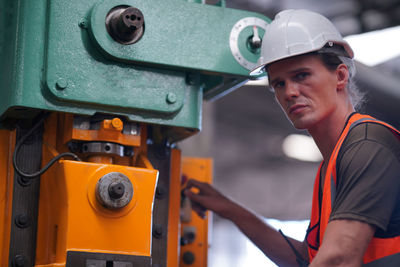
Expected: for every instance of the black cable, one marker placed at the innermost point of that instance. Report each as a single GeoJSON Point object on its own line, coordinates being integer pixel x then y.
{"type": "Point", "coordinates": [49, 164]}
{"type": "Point", "coordinates": [300, 260]}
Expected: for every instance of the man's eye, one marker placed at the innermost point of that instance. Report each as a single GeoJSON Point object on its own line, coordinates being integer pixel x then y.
{"type": "Point", "coordinates": [279, 84]}
{"type": "Point", "coordinates": [301, 76]}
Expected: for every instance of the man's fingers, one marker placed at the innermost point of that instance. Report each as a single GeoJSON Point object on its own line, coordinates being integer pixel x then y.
{"type": "Point", "coordinates": [193, 183]}
{"type": "Point", "coordinates": [192, 196]}
{"type": "Point", "coordinates": [200, 210]}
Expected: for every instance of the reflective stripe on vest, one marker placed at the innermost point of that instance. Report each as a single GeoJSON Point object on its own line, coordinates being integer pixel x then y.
{"type": "Point", "coordinates": [378, 248]}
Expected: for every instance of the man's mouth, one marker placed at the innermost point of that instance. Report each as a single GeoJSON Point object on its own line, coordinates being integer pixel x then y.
{"type": "Point", "coordinates": [297, 108]}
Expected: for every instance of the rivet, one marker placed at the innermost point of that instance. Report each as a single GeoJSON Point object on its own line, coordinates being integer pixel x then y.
{"type": "Point", "coordinates": [188, 257]}
{"type": "Point", "coordinates": [22, 220]}
{"type": "Point", "coordinates": [82, 23]}
{"type": "Point", "coordinates": [161, 192]}
{"type": "Point", "coordinates": [158, 231]}
{"type": "Point", "coordinates": [19, 261]}
{"type": "Point", "coordinates": [171, 98]}
{"type": "Point", "coordinates": [61, 84]}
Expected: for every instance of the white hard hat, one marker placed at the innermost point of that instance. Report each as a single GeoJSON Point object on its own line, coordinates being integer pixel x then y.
{"type": "Point", "coordinates": [297, 32]}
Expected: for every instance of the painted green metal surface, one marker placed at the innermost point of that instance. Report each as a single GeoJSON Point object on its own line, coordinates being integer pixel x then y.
{"type": "Point", "coordinates": [178, 35]}
{"type": "Point", "coordinates": [57, 55]}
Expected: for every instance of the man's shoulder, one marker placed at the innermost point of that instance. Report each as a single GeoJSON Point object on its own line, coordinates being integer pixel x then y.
{"type": "Point", "coordinates": [373, 133]}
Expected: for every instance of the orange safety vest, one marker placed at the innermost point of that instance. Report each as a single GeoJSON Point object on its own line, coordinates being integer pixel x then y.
{"type": "Point", "coordinates": [378, 247]}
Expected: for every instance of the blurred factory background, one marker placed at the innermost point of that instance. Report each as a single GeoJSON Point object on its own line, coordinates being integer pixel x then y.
{"type": "Point", "coordinates": [244, 131]}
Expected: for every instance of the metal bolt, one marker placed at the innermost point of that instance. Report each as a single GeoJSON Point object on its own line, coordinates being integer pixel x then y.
{"type": "Point", "coordinates": [116, 190]}
{"type": "Point", "coordinates": [24, 181]}
{"type": "Point", "coordinates": [19, 261]}
{"type": "Point", "coordinates": [188, 257]}
{"type": "Point", "coordinates": [61, 84]}
{"type": "Point", "coordinates": [158, 231]}
{"type": "Point", "coordinates": [83, 23]}
{"type": "Point", "coordinates": [160, 192]}
{"type": "Point", "coordinates": [117, 124]}
{"type": "Point", "coordinates": [171, 98]}
{"type": "Point", "coordinates": [22, 220]}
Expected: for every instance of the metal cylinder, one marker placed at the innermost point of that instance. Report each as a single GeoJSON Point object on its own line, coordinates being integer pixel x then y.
{"type": "Point", "coordinates": [114, 190]}
{"type": "Point", "coordinates": [125, 24]}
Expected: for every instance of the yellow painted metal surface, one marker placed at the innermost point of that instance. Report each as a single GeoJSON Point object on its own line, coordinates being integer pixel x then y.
{"type": "Point", "coordinates": [199, 169]}
{"type": "Point", "coordinates": [7, 141]}
{"type": "Point", "coordinates": [70, 217]}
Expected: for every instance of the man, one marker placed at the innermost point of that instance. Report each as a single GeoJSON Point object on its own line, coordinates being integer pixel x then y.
{"type": "Point", "coordinates": [356, 202]}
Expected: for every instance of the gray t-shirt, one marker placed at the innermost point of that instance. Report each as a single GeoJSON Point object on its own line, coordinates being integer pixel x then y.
{"type": "Point", "coordinates": [368, 179]}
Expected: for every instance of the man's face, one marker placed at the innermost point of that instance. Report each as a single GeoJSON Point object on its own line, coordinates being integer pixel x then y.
{"type": "Point", "coordinates": [305, 89]}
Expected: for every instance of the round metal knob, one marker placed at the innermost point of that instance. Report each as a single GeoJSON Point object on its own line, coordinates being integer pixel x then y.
{"type": "Point", "coordinates": [125, 24]}
{"type": "Point", "coordinates": [114, 190]}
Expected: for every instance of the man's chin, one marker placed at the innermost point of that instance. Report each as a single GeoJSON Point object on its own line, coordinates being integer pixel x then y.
{"type": "Point", "coordinates": [299, 125]}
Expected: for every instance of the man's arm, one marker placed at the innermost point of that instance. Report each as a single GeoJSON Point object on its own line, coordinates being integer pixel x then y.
{"type": "Point", "coordinates": [270, 241]}
{"type": "Point", "coordinates": [344, 244]}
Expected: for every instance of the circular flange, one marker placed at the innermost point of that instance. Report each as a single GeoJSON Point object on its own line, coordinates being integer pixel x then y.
{"type": "Point", "coordinates": [234, 39]}
{"type": "Point", "coordinates": [97, 206]}
{"type": "Point", "coordinates": [114, 190]}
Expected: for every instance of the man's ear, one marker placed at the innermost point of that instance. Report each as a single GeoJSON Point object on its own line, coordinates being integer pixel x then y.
{"type": "Point", "coordinates": [342, 75]}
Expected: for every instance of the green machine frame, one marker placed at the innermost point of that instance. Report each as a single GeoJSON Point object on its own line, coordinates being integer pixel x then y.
{"type": "Point", "coordinates": [58, 56]}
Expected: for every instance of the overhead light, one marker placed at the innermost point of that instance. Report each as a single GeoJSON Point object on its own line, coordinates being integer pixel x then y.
{"type": "Point", "coordinates": [376, 47]}
{"type": "Point", "coordinates": [301, 147]}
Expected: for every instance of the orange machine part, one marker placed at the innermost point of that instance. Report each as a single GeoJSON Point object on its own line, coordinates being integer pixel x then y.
{"type": "Point", "coordinates": [110, 131]}
{"type": "Point", "coordinates": [70, 218]}
{"type": "Point", "coordinates": [7, 142]}
{"type": "Point", "coordinates": [198, 169]}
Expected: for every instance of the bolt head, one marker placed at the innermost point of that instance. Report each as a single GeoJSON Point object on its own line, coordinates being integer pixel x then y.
{"type": "Point", "coordinates": [188, 257]}
{"type": "Point", "coordinates": [158, 231]}
{"type": "Point", "coordinates": [171, 98]}
{"type": "Point", "coordinates": [19, 261]}
{"type": "Point", "coordinates": [22, 220]}
{"type": "Point", "coordinates": [117, 123]}
{"type": "Point", "coordinates": [83, 23]}
{"type": "Point", "coordinates": [116, 190]}
{"type": "Point", "coordinates": [61, 84]}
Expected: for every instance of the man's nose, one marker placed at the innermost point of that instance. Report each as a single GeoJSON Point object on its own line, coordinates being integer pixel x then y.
{"type": "Point", "coordinates": [291, 90]}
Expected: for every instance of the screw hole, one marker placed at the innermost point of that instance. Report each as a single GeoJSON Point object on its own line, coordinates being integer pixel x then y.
{"type": "Point", "coordinates": [133, 17]}
{"type": "Point", "coordinates": [127, 16]}
{"type": "Point", "coordinates": [107, 148]}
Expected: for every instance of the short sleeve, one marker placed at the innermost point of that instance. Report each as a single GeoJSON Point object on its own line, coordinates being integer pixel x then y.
{"type": "Point", "coordinates": [368, 186]}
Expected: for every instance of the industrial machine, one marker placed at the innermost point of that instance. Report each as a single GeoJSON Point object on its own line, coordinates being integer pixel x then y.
{"type": "Point", "coordinates": [95, 95]}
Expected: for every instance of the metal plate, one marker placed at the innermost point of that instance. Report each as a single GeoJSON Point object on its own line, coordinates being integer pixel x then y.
{"type": "Point", "coordinates": [90, 259]}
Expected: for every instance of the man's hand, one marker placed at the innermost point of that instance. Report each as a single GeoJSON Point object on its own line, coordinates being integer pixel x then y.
{"type": "Point", "coordinates": [207, 198]}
